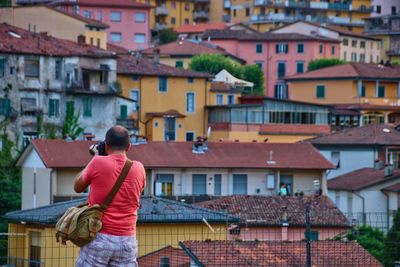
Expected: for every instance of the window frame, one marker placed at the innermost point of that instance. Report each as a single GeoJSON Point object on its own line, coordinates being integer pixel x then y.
{"type": "Point", "coordinates": [3, 61]}
{"type": "Point", "coordinates": [31, 60]}
{"type": "Point", "coordinates": [115, 34]}
{"type": "Point", "coordinates": [140, 21]}
{"type": "Point", "coordinates": [201, 181]}
{"type": "Point", "coordinates": [141, 35]}
{"type": "Point", "coordinates": [259, 48]}
{"type": "Point", "coordinates": [87, 107]}
{"type": "Point", "coordinates": [221, 96]}
{"type": "Point", "coordinates": [302, 48]}
{"type": "Point", "coordinates": [187, 106]}
{"type": "Point", "coordinates": [320, 94]}
{"type": "Point", "coordinates": [162, 84]}
{"type": "Point", "coordinates": [114, 19]}
{"type": "Point", "coordinates": [54, 108]}
{"type": "Point", "coordinates": [381, 91]}
{"type": "Point", "coordinates": [237, 175]}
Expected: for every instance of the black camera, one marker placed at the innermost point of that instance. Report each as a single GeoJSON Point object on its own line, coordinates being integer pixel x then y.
{"type": "Point", "coordinates": [100, 148]}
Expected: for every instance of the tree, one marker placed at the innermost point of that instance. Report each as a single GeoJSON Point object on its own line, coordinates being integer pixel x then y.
{"type": "Point", "coordinates": [71, 125]}
{"type": "Point", "coordinates": [254, 74]}
{"type": "Point", "coordinates": [392, 242]}
{"type": "Point", "coordinates": [324, 62]}
{"type": "Point", "coordinates": [214, 63]}
{"type": "Point", "coordinates": [167, 36]}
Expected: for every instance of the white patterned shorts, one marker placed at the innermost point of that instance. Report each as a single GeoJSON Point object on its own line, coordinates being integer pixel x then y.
{"type": "Point", "coordinates": [109, 250]}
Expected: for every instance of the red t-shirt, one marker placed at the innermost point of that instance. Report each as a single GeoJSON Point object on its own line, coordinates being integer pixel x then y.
{"type": "Point", "coordinates": [121, 215]}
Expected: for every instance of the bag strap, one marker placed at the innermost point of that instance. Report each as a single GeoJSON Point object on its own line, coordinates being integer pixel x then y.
{"type": "Point", "coordinates": [117, 185]}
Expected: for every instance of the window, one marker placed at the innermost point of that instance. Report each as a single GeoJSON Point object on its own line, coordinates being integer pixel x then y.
{"type": "Point", "coordinates": [362, 58]}
{"type": "Point", "coordinates": [179, 64]}
{"type": "Point", "coordinates": [345, 42]}
{"type": "Point", "coordinates": [354, 43]}
{"type": "Point", "coordinates": [217, 185]}
{"type": "Point", "coordinates": [169, 128]}
{"type": "Point", "coordinates": [362, 44]}
{"type": "Point", "coordinates": [104, 73]}
{"type": "Point", "coordinates": [162, 84]}
{"type": "Point", "coordinates": [173, 4]}
{"type": "Point", "coordinates": [288, 180]}
{"type": "Point", "coordinates": [32, 66]}
{"type": "Point", "coordinates": [58, 69]}
{"type": "Point", "coordinates": [239, 184]}
{"type": "Point", "coordinates": [247, 11]}
{"type": "Point", "coordinates": [164, 262]}
{"type": "Point", "coordinates": [54, 108]}
{"type": "Point", "coordinates": [5, 106]}
{"type": "Point", "coordinates": [189, 102]}
{"type": "Point", "coordinates": [281, 48]}
{"type": "Point", "coordinates": [320, 91]}
{"type": "Point", "coordinates": [173, 21]}
{"type": "Point", "coordinates": [2, 67]}
{"type": "Point", "coordinates": [259, 48]}
{"type": "Point", "coordinates": [234, 12]}
{"type": "Point", "coordinates": [345, 56]}
{"type": "Point", "coordinates": [378, 9]}
{"type": "Point", "coordinates": [91, 40]}
{"type": "Point", "coordinates": [281, 91]}
{"type": "Point", "coordinates": [140, 38]}
{"type": "Point", "coordinates": [230, 99]}
{"type": "Point", "coordinates": [190, 80]}
{"type": "Point", "coordinates": [115, 16]}
{"type": "Point", "coordinates": [353, 57]}
{"type": "Point", "coordinates": [333, 50]}
{"type": "Point", "coordinates": [260, 64]}
{"type": "Point", "coordinates": [123, 111]}
{"type": "Point", "coordinates": [199, 184]}
{"type": "Point", "coordinates": [394, 10]}
{"type": "Point", "coordinates": [87, 107]}
{"type": "Point", "coordinates": [189, 136]}
{"type": "Point", "coordinates": [313, 235]}
{"type": "Point", "coordinates": [87, 14]}
{"type": "Point", "coordinates": [164, 184]}
{"type": "Point", "coordinates": [186, 21]}
{"type": "Point", "coordinates": [300, 48]}
{"type": "Point", "coordinates": [281, 69]}
{"type": "Point", "coordinates": [381, 91]}
{"type": "Point", "coordinates": [140, 17]}
{"type": "Point", "coordinates": [219, 99]}
{"type": "Point", "coordinates": [321, 48]}
{"type": "Point", "coordinates": [362, 93]}
{"type": "Point", "coordinates": [134, 95]}
{"type": "Point", "coordinates": [98, 42]}
{"type": "Point", "coordinates": [300, 66]}
{"type": "Point", "coordinates": [116, 37]}
{"type": "Point", "coordinates": [335, 158]}
{"type": "Point", "coordinates": [34, 250]}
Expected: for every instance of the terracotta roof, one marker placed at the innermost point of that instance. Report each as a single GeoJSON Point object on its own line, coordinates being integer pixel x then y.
{"type": "Point", "coordinates": [141, 66]}
{"type": "Point", "coordinates": [242, 35]}
{"type": "Point", "coordinates": [350, 71]}
{"type": "Point", "coordinates": [89, 22]}
{"type": "Point", "coordinates": [360, 179]}
{"type": "Point", "coordinates": [267, 210]}
{"type": "Point", "coordinates": [277, 253]}
{"type": "Point", "coordinates": [218, 155]}
{"type": "Point", "coordinates": [117, 49]}
{"type": "Point", "coordinates": [104, 3]}
{"type": "Point", "coordinates": [19, 41]}
{"type": "Point", "coordinates": [190, 48]}
{"type": "Point", "coordinates": [171, 112]}
{"type": "Point", "coordinates": [222, 87]}
{"type": "Point", "coordinates": [177, 257]}
{"type": "Point", "coordinates": [373, 134]}
{"type": "Point", "coordinates": [201, 27]}
{"type": "Point", "coordinates": [358, 107]}
{"type": "Point", "coordinates": [392, 188]}
{"type": "Point", "coordinates": [295, 129]}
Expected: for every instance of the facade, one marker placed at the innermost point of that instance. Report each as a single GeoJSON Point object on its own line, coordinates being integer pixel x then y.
{"type": "Point", "coordinates": [369, 144]}
{"type": "Point", "coordinates": [370, 90]}
{"type": "Point", "coordinates": [63, 25]}
{"type": "Point", "coordinates": [179, 54]}
{"type": "Point", "coordinates": [52, 76]}
{"type": "Point", "coordinates": [278, 54]}
{"type": "Point", "coordinates": [195, 31]}
{"type": "Point", "coordinates": [382, 7]}
{"type": "Point", "coordinates": [367, 195]}
{"type": "Point", "coordinates": [267, 119]}
{"type": "Point", "coordinates": [354, 47]}
{"type": "Point", "coordinates": [158, 218]}
{"type": "Point", "coordinates": [129, 21]}
{"type": "Point", "coordinates": [265, 218]}
{"type": "Point", "coordinates": [387, 29]}
{"type": "Point", "coordinates": [226, 168]}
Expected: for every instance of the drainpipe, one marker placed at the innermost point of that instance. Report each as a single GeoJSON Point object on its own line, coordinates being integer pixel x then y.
{"type": "Point", "coordinates": [363, 205]}
{"type": "Point", "coordinates": [51, 186]}
{"type": "Point", "coordinates": [387, 210]}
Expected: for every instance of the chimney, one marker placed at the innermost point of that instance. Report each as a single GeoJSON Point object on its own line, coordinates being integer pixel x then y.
{"type": "Point", "coordinates": [156, 56]}
{"type": "Point", "coordinates": [200, 145]}
{"type": "Point", "coordinates": [285, 224]}
{"type": "Point", "coordinates": [388, 171]}
{"type": "Point", "coordinates": [81, 39]}
{"type": "Point", "coordinates": [378, 165]}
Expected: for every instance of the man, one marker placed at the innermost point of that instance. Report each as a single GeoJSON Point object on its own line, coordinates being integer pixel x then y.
{"type": "Point", "coordinates": [115, 244]}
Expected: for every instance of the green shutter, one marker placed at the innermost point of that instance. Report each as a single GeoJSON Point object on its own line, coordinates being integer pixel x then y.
{"type": "Point", "coordinates": [179, 64]}
{"type": "Point", "coordinates": [51, 108]}
{"type": "Point", "coordinates": [87, 107]}
{"type": "Point", "coordinates": [381, 91]}
{"type": "Point", "coordinates": [5, 106]}
{"type": "Point", "coordinates": [313, 235]}
{"type": "Point", "coordinates": [363, 91]}
{"type": "Point", "coordinates": [300, 67]}
{"type": "Point", "coordinates": [123, 111]}
{"type": "Point", "coordinates": [2, 67]}
{"type": "Point", "coordinates": [320, 91]}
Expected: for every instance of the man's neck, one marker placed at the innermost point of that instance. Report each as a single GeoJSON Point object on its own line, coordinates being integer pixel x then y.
{"type": "Point", "coordinates": [117, 152]}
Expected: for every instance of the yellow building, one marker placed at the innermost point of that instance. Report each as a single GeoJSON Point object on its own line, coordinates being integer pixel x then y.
{"type": "Point", "coordinates": [361, 93]}
{"type": "Point", "coordinates": [170, 101]}
{"type": "Point", "coordinates": [172, 13]}
{"type": "Point", "coordinates": [161, 223]}
{"type": "Point", "coordinates": [56, 23]}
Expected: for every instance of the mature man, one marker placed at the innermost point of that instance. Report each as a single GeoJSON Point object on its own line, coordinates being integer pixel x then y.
{"type": "Point", "coordinates": [115, 244]}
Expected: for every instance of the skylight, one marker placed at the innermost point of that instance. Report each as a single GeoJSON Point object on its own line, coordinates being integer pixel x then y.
{"type": "Point", "coordinates": [13, 34]}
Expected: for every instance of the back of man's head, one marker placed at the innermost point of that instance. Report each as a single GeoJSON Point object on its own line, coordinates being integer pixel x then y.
{"type": "Point", "coordinates": [117, 138]}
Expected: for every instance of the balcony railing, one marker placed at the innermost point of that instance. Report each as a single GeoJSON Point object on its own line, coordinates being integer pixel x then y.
{"type": "Point", "coordinates": [268, 3]}
{"type": "Point", "coordinates": [161, 11]}
{"type": "Point", "coordinates": [130, 124]}
{"type": "Point", "coordinates": [160, 26]}
{"type": "Point", "coordinates": [340, 6]}
{"type": "Point", "coordinates": [25, 2]}
{"type": "Point", "coordinates": [202, 1]}
{"type": "Point", "coordinates": [200, 15]}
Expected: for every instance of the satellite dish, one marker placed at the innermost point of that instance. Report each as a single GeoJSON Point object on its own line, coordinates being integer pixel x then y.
{"type": "Point", "coordinates": [208, 131]}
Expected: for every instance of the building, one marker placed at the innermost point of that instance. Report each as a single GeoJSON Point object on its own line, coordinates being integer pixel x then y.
{"type": "Point", "coordinates": [129, 21]}
{"type": "Point", "coordinates": [367, 195]}
{"type": "Point", "coordinates": [225, 168]}
{"type": "Point", "coordinates": [278, 54]}
{"type": "Point", "coordinates": [56, 23]}
{"type": "Point", "coordinates": [370, 145]}
{"type": "Point", "coordinates": [168, 255]}
{"type": "Point", "coordinates": [267, 119]}
{"type": "Point", "coordinates": [44, 76]}
{"type": "Point", "coordinates": [170, 101]}
{"type": "Point", "coordinates": [280, 218]}
{"type": "Point", "coordinates": [161, 223]}
{"type": "Point", "coordinates": [387, 29]}
{"type": "Point", "coordinates": [354, 47]}
{"type": "Point", "coordinates": [179, 54]}
{"type": "Point", "coordinates": [221, 11]}
{"type": "Point", "coordinates": [382, 7]}
{"type": "Point", "coordinates": [195, 31]}
{"type": "Point", "coordinates": [276, 253]}
{"type": "Point", "coordinates": [371, 90]}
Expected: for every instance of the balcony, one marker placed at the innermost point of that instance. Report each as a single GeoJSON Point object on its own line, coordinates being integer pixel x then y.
{"type": "Point", "coordinates": [297, 4]}
{"type": "Point", "coordinates": [200, 15]}
{"type": "Point", "coordinates": [32, 2]}
{"type": "Point", "coordinates": [226, 18]}
{"type": "Point", "coordinates": [268, 3]}
{"type": "Point", "coordinates": [160, 26]}
{"type": "Point", "coordinates": [340, 6]}
{"type": "Point", "coordinates": [128, 123]}
{"type": "Point", "coordinates": [161, 11]}
{"type": "Point", "coordinates": [364, 9]}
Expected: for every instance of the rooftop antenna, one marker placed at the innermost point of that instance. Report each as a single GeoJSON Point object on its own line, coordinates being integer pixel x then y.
{"type": "Point", "coordinates": [271, 161]}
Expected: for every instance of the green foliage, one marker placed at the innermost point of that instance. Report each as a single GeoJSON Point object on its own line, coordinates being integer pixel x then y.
{"type": "Point", "coordinates": [71, 125]}
{"type": "Point", "coordinates": [392, 242]}
{"type": "Point", "coordinates": [166, 36]}
{"type": "Point", "coordinates": [254, 74]}
{"type": "Point", "coordinates": [324, 62]}
{"type": "Point", "coordinates": [371, 239]}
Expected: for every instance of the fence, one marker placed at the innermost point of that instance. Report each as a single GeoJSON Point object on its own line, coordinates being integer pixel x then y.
{"type": "Point", "coordinates": [202, 238]}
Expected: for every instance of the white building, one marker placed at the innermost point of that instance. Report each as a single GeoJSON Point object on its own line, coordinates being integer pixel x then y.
{"type": "Point", "coordinates": [385, 7]}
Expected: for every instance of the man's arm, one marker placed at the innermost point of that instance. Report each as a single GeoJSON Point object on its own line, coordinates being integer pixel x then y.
{"type": "Point", "coordinates": [79, 183]}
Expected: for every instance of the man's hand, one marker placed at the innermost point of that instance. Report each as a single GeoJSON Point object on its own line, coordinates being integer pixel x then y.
{"type": "Point", "coordinates": [79, 183]}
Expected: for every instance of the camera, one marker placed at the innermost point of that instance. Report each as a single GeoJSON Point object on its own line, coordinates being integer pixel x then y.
{"type": "Point", "coordinates": [100, 148]}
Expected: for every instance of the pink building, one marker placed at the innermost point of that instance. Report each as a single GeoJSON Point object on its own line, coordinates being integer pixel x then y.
{"type": "Point", "coordinates": [129, 21]}
{"type": "Point", "coordinates": [278, 54]}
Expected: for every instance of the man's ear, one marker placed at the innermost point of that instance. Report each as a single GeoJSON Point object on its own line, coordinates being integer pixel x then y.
{"type": "Point", "coordinates": [128, 147]}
